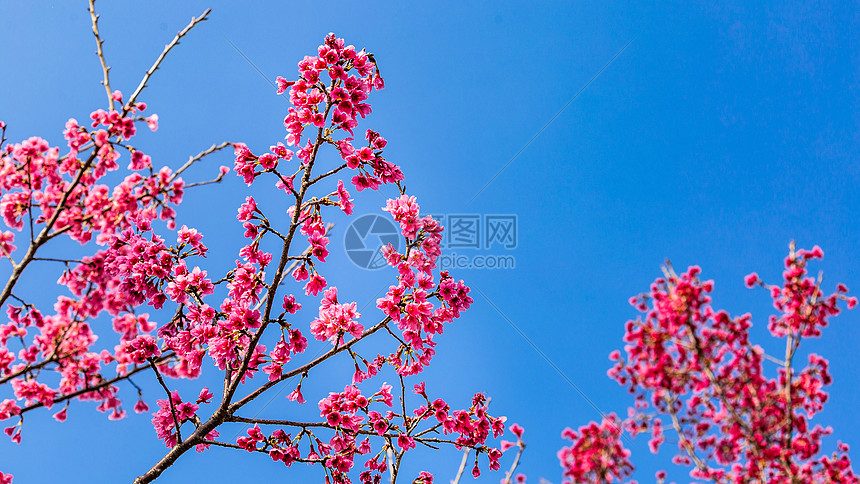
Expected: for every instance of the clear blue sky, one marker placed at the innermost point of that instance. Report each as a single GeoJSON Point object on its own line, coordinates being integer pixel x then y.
{"type": "Point", "coordinates": [725, 130]}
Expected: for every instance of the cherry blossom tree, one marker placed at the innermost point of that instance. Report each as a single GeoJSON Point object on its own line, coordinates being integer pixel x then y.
{"type": "Point", "coordinates": [145, 279]}
{"type": "Point", "coordinates": [734, 412]}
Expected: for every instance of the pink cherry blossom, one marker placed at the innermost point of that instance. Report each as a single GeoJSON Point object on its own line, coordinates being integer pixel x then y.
{"type": "Point", "coordinates": [178, 318]}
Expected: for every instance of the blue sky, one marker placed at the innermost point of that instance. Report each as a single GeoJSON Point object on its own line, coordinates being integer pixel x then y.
{"type": "Point", "coordinates": [720, 134]}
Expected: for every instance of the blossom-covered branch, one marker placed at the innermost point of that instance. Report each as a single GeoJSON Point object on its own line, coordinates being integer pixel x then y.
{"type": "Point", "coordinates": [244, 323]}
{"type": "Point", "coordinates": [696, 365]}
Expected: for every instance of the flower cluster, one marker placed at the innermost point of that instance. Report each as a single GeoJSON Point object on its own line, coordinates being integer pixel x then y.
{"type": "Point", "coordinates": [595, 454]}
{"type": "Point", "coordinates": [335, 320]}
{"type": "Point", "coordinates": [241, 332]}
{"type": "Point", "coordinates": [171, 414]}
{"type": "Point", "coordinates": [697, 366]}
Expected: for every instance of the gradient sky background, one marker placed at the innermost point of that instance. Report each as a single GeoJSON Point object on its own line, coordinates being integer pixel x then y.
{"type": "Point", "coordinates": [725, 130]}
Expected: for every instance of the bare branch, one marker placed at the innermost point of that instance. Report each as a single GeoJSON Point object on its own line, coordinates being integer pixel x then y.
{"type": "Point", "coordinates": [100, 53]}
{"type": "Point", "coordinates": [196, 158]}
{"type": "Point", "coordinates": [167, 48]}
{"type": "Point", "coordinates": [329, 173]}
{"type": "Point", "coordinates": [510, 473]}
{"type": "Point", "coordinates": [462, 468]}
{"type": "Point", "coordinates": [288, 423]}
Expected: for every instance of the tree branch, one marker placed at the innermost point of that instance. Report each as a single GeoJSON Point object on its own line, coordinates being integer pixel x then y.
{"type": "Point", "coordinates": [298, 371]}
{"type": "Point", "coordinates": [462, 467]}
{"type": "Point", "coordinates": [510, 473]}
{"type": "Point", "coordinates": [101, 385]}
{"type": "Point", "coordinates": [196, 158]}
{"type": "Point", "coordinates": [169, 399]}
{"type": "Point", "coordinates": [167, 48]}
{"type": "Point", "coordinates": [100, 53]}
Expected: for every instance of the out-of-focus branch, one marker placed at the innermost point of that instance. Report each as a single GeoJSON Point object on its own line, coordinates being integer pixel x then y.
{"type": "Point", "coordinates": [684, 441]}
{"type": "Point", "coordinates": [510, 473]}
{"type": "Point", "coordinates": [462, 468]}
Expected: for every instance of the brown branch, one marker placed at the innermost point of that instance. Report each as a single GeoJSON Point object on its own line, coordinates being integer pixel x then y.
{"type": "Point", "coordinates": [403, 405]}
{"type": "Point", "coordinates": [329, 173]}
{"type": "Point", "coordinates": [100, 53]}
{"type": "Point", "coordinates": [288, 423]}
{"type": "Point", "coordinates": [167, 48]}
{"type": "Point", "coordinates": [279, 273]}
{"type": "Point", "coordinates": [196, 158]}
{"type": "Point", "coordinates": [326, 425]}
{"type": "Point", "coordinates": [52, 358]}
{"type": "Point", "coordinates": [302, 369]}
{"type": "Point", "coordinates": [234, 376]}
{"type": "Point", "coordinates": [65, 261]}
{"type": "Point", "coordinates": [165, 190]}
{"type": "Point", "coordinates": [236, 446]}
{"type": "Point", "coordinates": [712, 378]}
{"type": "Point", "coordinates": [26, 369]}
{"type": "Point", "coordinates": [217, 179]}
{"type": "Point", "coordinates": [225, 411]}
{"type": "Point", "coordinates": [427, 431]}
{"type": "Point", "coordinates": [683, 440]}
{"type": "Point", "coordinates": [169, 399]}
{"type": "Point", "coordinates": [29, 195]}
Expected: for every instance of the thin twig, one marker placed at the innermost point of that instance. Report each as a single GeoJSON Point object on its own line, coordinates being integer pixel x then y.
{"type": "Point", "coordinates": [207, 182]}
{"type": "Point", "coordinates": [403, 404]}
{"type": "Point", "coordinates": [99, 42]}
{"type": "Point", "coordinates": [329, 173]}
{"type": "Point", "coordinates": [197, 157]}
{"type": "Point", "coordinates": [169, 399]}
{"type": "Point", "coordinates": [65, 261]}
{"type": "Point", "coordinates": [236, 446]}
{"type": "Point", "coordinates": [167, 48]}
